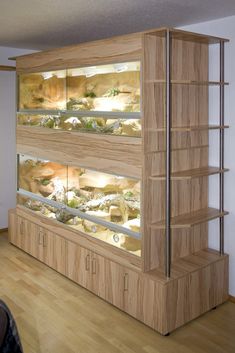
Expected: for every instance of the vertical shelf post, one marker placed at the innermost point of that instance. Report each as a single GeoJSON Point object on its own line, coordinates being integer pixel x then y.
{"type": "Point", "coordinates": [168, 155]}
{"type": "Point", "coordinates": [221, 143]}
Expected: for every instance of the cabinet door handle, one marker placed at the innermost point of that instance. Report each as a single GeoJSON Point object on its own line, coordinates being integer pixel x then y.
{"type": "Point", "coordinates": [93, 266]}
{"type": "Point", "coordinates": [126, 282]}
{"type": "Point", "coordinates": [44, 240]}
{"type": "Point", "coordinates": [22, 227]}
{"type": "Point", "coordinates": [40, 242]}
{"type": "Point", "coordinates": [88, 262]}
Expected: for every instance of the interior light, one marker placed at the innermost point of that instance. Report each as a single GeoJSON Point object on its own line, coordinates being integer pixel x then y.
{"type": "Point", "coordinates": [120, 67]}
{"type": "Point", "coordinates": [47, 75]}
{"type": "Point", "coordinates": [60, 74]}
{"type": "Point", "coordinates": [90, 71]}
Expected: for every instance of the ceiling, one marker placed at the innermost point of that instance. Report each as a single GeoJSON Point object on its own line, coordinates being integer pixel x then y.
{"type": "Point", "coordinates": [42, 24]}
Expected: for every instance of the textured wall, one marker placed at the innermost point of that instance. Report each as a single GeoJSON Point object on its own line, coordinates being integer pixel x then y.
{"type": "Point", "coordinates": [7, 134]}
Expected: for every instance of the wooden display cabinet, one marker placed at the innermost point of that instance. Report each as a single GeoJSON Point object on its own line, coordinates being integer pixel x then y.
{"type": "Point", "coordinates": [136, 108]}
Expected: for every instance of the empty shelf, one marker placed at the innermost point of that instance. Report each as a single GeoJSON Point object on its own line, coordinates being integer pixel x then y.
{"type": "Point", "coordinates": [188, 220]}
{"type": "Point", "coordinates": [188, 264]}
{"type": "Point", "coordinates": [190, 128]}
{"type": "Point", "coordinates": [191, 173]}
{"type": "Point", "coordinates": [191, 82]}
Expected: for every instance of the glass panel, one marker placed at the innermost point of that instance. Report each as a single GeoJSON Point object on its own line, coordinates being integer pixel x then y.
{"type": "Point", "coordinates": [109, 197]}
{"type": "Point", "coordinates": [119, 240]}
{"type": "Point", "coordinates": [44, 90]}
{"type": "Point", "coordinates": [103, 125]}
{"type": "Point", "coordinates": [42, 177]}
{"type": "Point", "coordinates": [113, 87]}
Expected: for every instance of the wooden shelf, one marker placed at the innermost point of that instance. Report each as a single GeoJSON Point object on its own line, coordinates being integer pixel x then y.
{"type": "Point", "coordinates": [191, 82]}
{"type": "Point", "coordinates": [187, 36]}
{"type": "Point", "coordinates": [191, 128]}
{"type": "Point", "coordinates": [191, 173]}
{"type": "Point", "coordinates": [188, 264]}
{"type": "Point", "coordinates": [188, 220]}
{"type": "Point", "coordinates": [7, 68]}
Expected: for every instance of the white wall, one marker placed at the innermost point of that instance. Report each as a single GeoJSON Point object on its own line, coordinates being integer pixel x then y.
{"type": "Point", "coordinates": [7, 133]}
{"type": "Point", "coordinates": [223, 28]}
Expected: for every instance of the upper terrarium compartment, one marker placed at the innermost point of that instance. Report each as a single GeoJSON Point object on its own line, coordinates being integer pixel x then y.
{"type": "Point", "coordinates": [109, 88]}
{"type": "Point", "coordinates": [44, 91]}
{"type": "Point", "coordinates": [104, 88]}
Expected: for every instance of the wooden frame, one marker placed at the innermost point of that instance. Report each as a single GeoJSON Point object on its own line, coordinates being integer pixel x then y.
{"type": "Point", "coordinates": [188, 87]}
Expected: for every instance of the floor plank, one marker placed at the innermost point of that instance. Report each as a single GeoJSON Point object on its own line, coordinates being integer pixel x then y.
{"type": "Point", "coordinates": [54, 315]}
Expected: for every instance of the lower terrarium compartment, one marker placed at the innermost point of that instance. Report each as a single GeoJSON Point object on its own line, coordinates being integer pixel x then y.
{"type": "Point", "coordinates": [82, 226]}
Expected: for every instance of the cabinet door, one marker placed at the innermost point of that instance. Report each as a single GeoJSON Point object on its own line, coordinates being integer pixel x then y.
{"type": "Point", "coordinates": [97, 270]}
{"type": "Point", "coordinates": [122, 287]}
{"type": "Point", "coordinates": [59, 253]}
{"type": "Point", "coordinates": [33, 246]}
{"type": "Point", "coordinates": [115, 284]}
{"type": "Point", "coordinates": [131, 292]}
{"type": "Point", "coordinates": [12, 227]}
{"type": "Point", "coordinates": [45, 246]}
{"type": "Point", "coordinates": [20, 232]}
{"type": "Point", "coordinates": [79, 264]}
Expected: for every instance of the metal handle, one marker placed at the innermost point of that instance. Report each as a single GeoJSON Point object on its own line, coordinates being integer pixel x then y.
{"type": "Point", "coordinates": [40, 239]}
{"type": "Point", "coordinates": [126, 282]}
{"type": "Point", "coordinates": [44, 240]}
{"type": "Point", "coordinates": [21, 227]}
{"type": "Point", "coordinates": [93, 265]}
{"type": "Point", "coordinates": [88, 262]}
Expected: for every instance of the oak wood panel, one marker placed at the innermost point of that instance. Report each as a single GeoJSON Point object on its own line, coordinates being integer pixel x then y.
{"type": "Point", "coordinates": [195, 293]}
{"type": "Point", "coordinates": [184, 242]}
{"type": "Point", "coordinates": [113, 154]}
{"type": "Point", "coordinates": [111, 50]}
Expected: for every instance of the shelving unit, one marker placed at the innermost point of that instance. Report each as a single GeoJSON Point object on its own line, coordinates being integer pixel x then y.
{"type": "Point", "coordinates": [152, 270]}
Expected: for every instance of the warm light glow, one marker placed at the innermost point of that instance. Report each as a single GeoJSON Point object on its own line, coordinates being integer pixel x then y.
{"type": "Point", "coordinates": [47, 75]}
{"type": "Point", "coordinates": [104, 69]}
{"type": "Point", "coordinates": [107, 104]}
{"type": "Point", "coordinates": [60, 74]}
{"type": "Point", "coordinates": [90, 71]}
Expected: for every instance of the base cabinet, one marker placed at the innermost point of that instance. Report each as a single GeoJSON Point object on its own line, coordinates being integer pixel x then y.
{"type": "Point", "coordinates": [37, 241]}
{"type": "Point", "coordinates": [161, 304]}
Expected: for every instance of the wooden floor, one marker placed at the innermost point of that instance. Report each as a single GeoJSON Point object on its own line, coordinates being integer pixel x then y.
{"type": "Point", "coordinates": [54, 315]}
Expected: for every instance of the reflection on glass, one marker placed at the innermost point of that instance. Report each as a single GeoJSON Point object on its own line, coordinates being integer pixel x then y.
{"type": "Point", "coordinates": [119, 240]}
{"type": "Point", "coordinates": [45, 90]}
{"type": "Point", "coordinates": [126, 127]}
{"type": "Point", "coordinates": [44, 178]}
{"type": "Point", "coordinates": [109, 197]}
{"type": "Point", "coordinates": [113, 87]}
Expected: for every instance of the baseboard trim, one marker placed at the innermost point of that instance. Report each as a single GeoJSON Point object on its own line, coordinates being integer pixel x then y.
{"type": "Point", "coordinates": [3, 230]}
{"type": "Point", "coordinates": [231, 299]}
